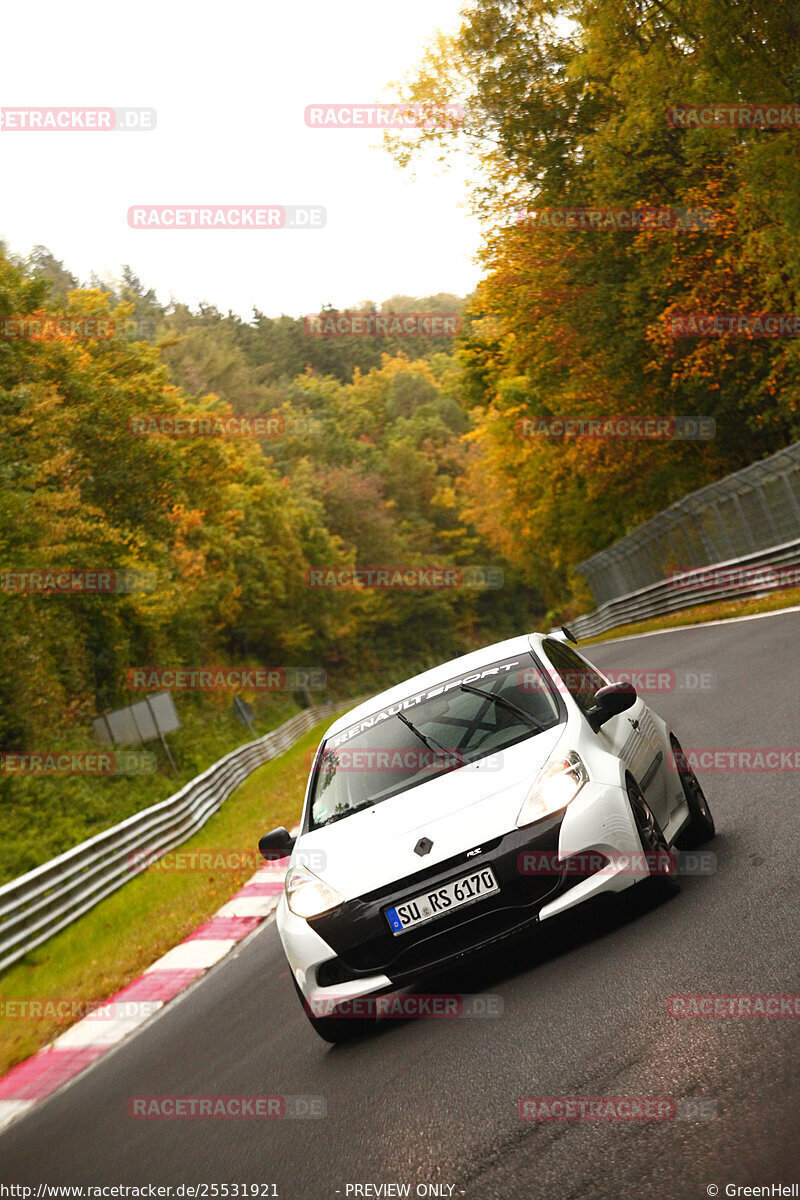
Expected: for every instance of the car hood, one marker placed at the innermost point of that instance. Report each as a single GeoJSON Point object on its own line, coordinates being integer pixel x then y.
{"type": "Point", "coordinates": [456, 811]}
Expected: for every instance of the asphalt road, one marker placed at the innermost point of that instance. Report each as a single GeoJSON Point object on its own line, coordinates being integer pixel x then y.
{"type": "Point", "coordinates": [435, 1101]}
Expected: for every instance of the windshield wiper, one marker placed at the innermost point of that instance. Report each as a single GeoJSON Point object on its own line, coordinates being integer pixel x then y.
{"type": "Point", "coordinates": [508, 704]}
{"type": "Point", "coordinates": [428, 742]}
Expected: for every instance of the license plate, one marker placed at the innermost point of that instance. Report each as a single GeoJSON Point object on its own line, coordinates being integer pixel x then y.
{"type": "Point", "coordinates": [442, 900]}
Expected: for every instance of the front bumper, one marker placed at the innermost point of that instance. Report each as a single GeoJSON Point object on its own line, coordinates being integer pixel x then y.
{"type": "Point", "coordinates": [352, 951]}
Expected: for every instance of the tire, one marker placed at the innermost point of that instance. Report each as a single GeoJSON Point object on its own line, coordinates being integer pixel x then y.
{"type": "Point", "coordinates": [701, 826]}
{"type": "Point", "coordinates": [332, 1028]}
{"type": "Point", "coordinates": [664, 868]}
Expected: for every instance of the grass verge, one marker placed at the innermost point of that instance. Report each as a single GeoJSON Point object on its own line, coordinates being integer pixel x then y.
{"type": "Point", "coordinates": [719, 611]}
{"type": "Point", "coordinates": [111, 945]}
{"type": "Point", "coordinates": [42, 816]}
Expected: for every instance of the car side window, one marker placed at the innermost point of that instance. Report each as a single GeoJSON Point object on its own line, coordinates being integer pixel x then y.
{"type": "Point", "coordinates": [579, 678]}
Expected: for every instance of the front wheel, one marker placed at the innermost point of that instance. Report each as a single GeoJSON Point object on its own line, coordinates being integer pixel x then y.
{"type": "Point", "coordinates": [701, 825]}
{"type": "Point", "coordinates": [333, 1028]}
{"type": "Point", "coordinates": [660, 859]}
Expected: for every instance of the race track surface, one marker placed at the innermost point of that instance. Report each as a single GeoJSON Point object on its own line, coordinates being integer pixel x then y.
{"type": "Point", "coordinates": [584, 1014]}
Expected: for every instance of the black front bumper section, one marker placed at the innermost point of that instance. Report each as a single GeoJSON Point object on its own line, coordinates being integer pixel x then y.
{"type": "Point", "coordinates": [364, 944]}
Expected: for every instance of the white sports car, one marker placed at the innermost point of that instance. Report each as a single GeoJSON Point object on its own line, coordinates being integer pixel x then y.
{"type": "Point", "coordinates": [465, 806]}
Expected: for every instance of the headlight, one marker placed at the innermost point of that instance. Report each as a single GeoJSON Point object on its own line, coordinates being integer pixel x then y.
{"type": "Point", "coordinates": [307, 896]}
{"type": "Point", "coordinates": [557, 784]}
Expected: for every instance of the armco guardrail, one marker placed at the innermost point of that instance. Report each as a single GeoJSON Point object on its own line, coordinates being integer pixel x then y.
{"type": "Point", "coordinates": [51, 896]}
{"type": "Point", "coordinates": [754, 510]}
{"type": "Point", "coordinates": [737, 578]}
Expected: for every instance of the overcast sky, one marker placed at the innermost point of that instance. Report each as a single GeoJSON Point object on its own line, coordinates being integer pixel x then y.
{"type": "Point", "coordinates": [230, 83]}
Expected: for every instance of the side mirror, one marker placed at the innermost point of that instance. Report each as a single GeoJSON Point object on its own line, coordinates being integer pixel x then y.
{"type": "Point", "coordinates": [278, 843]}
{"type": "Point", "coordinates": [609, 701]}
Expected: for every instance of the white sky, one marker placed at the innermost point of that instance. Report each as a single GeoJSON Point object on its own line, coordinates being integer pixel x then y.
{"type": "Point", "coordinates": [230, 83]}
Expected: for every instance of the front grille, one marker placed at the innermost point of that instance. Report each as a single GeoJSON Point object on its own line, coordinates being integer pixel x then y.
{"type": "Point", "coordinates": [359, 933]}
{"type": "Point", "coordinates": [455, 943]}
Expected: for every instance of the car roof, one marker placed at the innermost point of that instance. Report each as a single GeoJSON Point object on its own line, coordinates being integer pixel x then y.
{"type": "Point", "coordinates": [418, 683]}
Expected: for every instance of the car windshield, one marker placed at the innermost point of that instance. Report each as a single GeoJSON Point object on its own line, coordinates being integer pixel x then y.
{"type": "Point", "coordinates": [431, 733]}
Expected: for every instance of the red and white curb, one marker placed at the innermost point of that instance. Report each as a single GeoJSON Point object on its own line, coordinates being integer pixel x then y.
{"type": "Point", "coordinates": [123, 1013]}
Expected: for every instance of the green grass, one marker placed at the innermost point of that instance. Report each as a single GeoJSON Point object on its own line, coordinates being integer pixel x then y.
{"type": "Point", "coordinates": [718, 611]}
{"type": "Point", "coordinates": [110, 946]}
{"type": "Point", "coordinates": [42, 816]}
